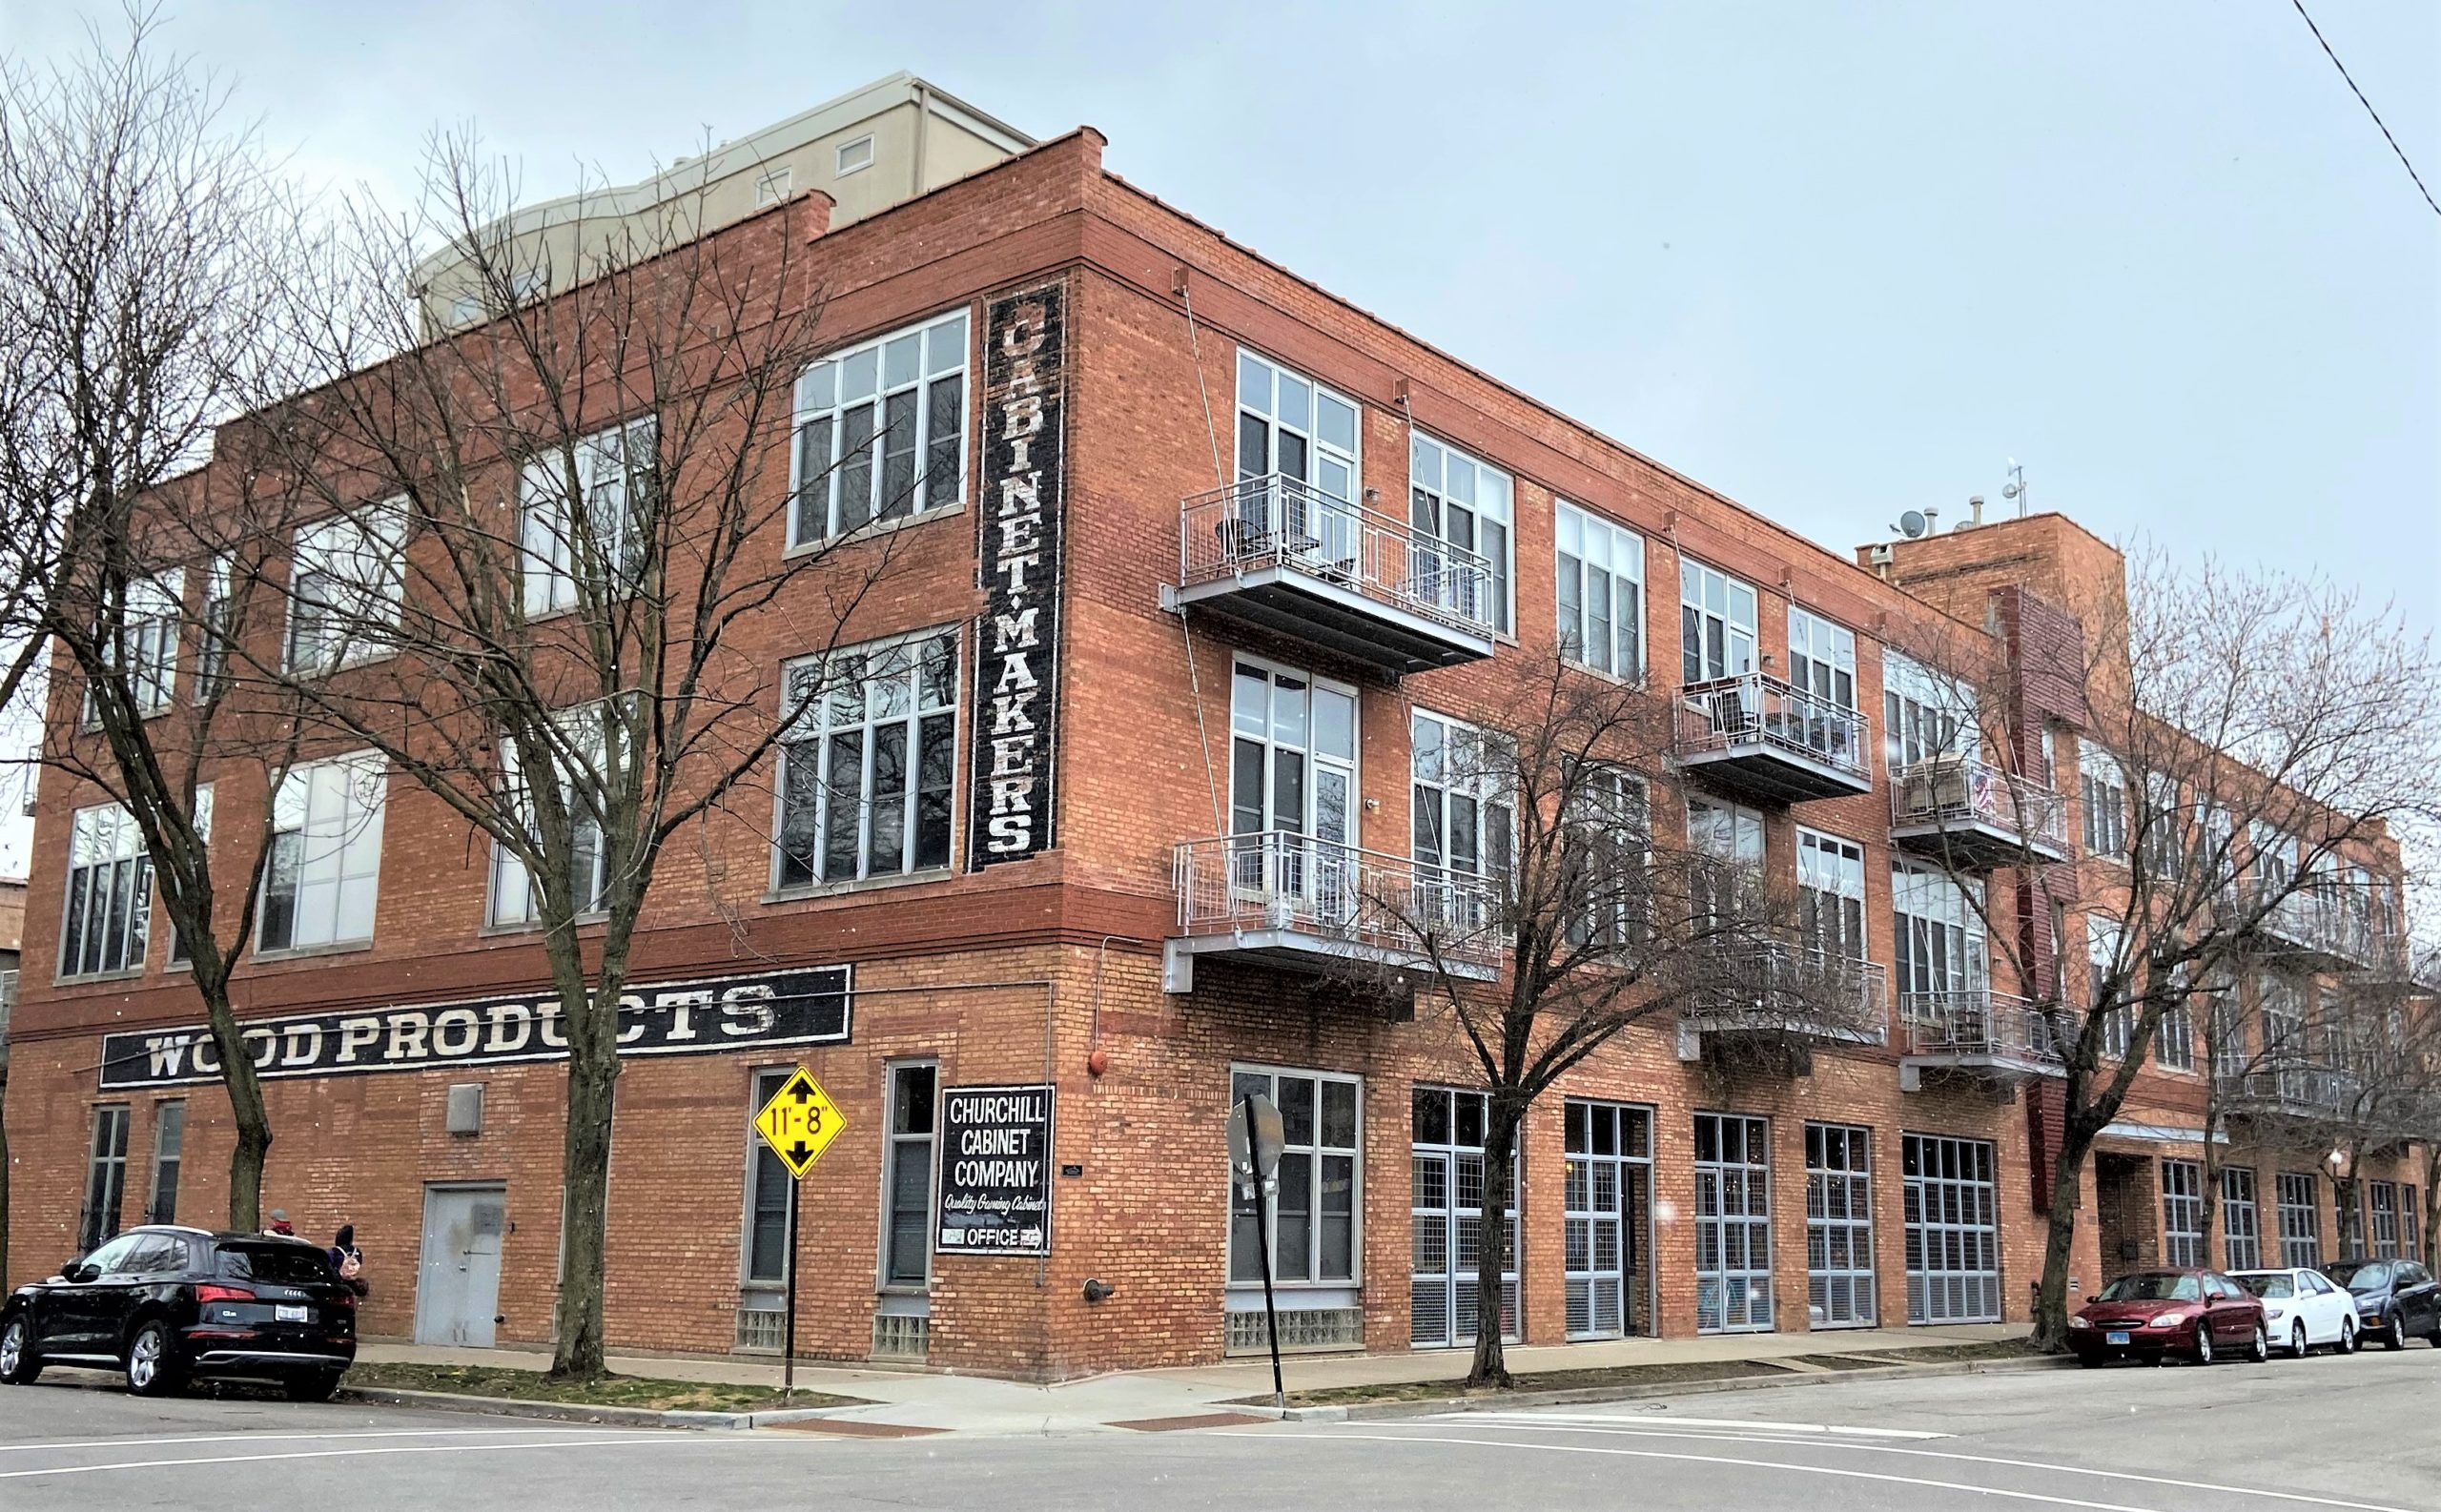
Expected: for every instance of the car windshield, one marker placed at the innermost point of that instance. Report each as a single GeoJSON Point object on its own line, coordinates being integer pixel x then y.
{"type": "Point", "coordinates": [2361, 1276]}
{"type": "Point", "coordinates": [2154, 1286]}
{"type": "Point", "coordinates": [2268, 1285]}
{"type": "Point", "coordinates": [280, 1264]}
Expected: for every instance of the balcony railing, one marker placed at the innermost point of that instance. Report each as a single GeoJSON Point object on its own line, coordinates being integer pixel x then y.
{"type": "Point", "coordinates": [1977, 1029]}
{"type": "Point", "coordinates": [1769, 740]}
{"type": "Point", "coordinates": [1286, 555]}
{"type": "Point", "coordinates": [2311, 923]}
{"type": "Point", "coordinates": [1792, 991]}
{"type": "Point", "coordinates": [1973, 812]}
{"type": "Point", "coordinates": [1294, 898]}
{"type": "Point", "coordinates": [2295, 1090]}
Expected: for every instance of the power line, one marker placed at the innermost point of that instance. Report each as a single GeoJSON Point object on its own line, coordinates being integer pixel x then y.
{"type": "Point", "coordinates": [2369, 107]}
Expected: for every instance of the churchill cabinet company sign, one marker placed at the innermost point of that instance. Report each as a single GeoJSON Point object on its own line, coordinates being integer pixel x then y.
{"type": "Point", "coordinates": [806, 1007]}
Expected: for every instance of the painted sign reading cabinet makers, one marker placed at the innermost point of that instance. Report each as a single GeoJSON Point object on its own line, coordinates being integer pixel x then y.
{"type": "Point", "coordinates": [1016, 682]}
{"type": "Point", "coordinates": [675, 1018]}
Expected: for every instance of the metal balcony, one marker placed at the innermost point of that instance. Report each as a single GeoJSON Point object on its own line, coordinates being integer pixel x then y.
{"type": "Point", "coordinates": [2391, 959]}
{"type": "Point", "coordinates": [1758, 738]}
{"type": "Point", "coordinates": [1789, 992]}
{"type": "Point", "coordinates": [1321, 906]}
{"type": "Point", "coordinates": [2310, 928]}
{"type": "Point", "coordinates": [1972, 816]}
{"type": "Point", "coordinates": [2291, 1092]}
{"type": "Point", "coordinates": [1284, 557]}
{"type": "Point", "coordinates": [1975, 1031]}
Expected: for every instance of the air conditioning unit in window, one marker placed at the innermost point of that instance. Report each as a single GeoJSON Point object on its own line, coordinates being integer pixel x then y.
{"type": "Point", "coordinates": [1940, 785]}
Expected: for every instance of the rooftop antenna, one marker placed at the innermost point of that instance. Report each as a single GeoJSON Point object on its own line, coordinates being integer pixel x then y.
{"type": "Point", "coordinates": [2015, 488]}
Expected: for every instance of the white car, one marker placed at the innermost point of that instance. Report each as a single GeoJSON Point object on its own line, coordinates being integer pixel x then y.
{"type": "Point", "coordinates": [2301, 1309]}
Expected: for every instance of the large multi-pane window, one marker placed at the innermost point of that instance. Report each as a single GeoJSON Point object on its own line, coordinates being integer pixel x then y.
{"type": "Point", "coordinates": [1608, 1210]}
{"type": "Point", "coordinates": [2274, 863]}
{"type": "Point", "coordinates": [346, 583]}
{"type": "Point", "coordinates": [515, 897]}
{"type": "Point", "coordinates": [881, 431]}
{"type": "Point", "coordinates": [2165, 843]}
{"type": "Point", "coordinates": [1717, 618]}
{"type": "Point", "coordinates": [1941, 943]}
{"type": "Point", "coordinates": [1830, 895]}
{"type": "Point", "coordinates": [1601, 593]}
{"type": "Point", "coordinates": [1447, 1173]}
{"type": "Point", "coordinates": [1455, 499]}
{"type": "Point", "coordinates": [1314, 1207]}
{"type": "Point", "coordinates": [2101, 956]}
{"type": "Point", "coordinates": [2410, 1224]}
{"type": "Point", "coordinates": [1728, 841]}
{"type": "Point", "coordinates": [1291, 428]}
{"type": "Point", "coordinates": [324, 874]}
{"type": "Point", "coordinates": [109, 893]}
{"type": "Point", "coordinates": [1609, 846]}
{"type": "Point", "coordinates": [762, 1254]}
{"type": "Point", "coordinates": [1838, 1226]}
{"type": "Point", "coordinates": [2241, 1219]}
{"type": "Point", "coordinates": [169, 1150]}
{"type": "Point", "coordinates": [105, 1178]}
{"type": "Point", "coordinates": [2300, 1221]}
{"type": "Point", "coordinates": [1292, 757]}
{"type": "Point", "coordinates": [2104, 794]}
{"type": "Point", "coordinates": [182, 952]}
{"type": "Point", "coordinates": [1953, 1215]}
{"type": "Point", "coordinates": [1732, 1224]}
{"type": "Point", "coordinates": [907, 1227]}
{"type": "Point", "coordinates": [1822, 658]}
{"type": "Point", "coordinates": [2182, 1212]}
{"type": "Point", "coordinates": [2280, 1004]}
{"type": "Point", "coordinates": [587, 516]}
{"type": "Point", "coordinates": [218, 622]}
{"type": "Point", "coordinates": [145, 649]}
{"type": "Point", "coordinates": [867, 768]}
{"type": "Point", "coordinates": [2174, 1036]}
{"type": "Point", "coordinates": [1460, 799]}
{"type": "Point", "coordinates": [1924, 714]}
{"type": "Point", "coordinates": [2227, 1023]}
{"type": "Point", "coordinates": [2384, 1198]}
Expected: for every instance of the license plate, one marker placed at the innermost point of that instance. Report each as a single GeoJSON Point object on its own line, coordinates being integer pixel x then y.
{"type": "Point", "coordinates": [2117, 1336]}
{"type": "Point", "coordinates": [293, 1313]}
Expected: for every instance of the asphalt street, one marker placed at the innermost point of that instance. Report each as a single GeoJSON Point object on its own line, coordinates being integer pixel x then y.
{"type": "Point", "coordinates": [2323, 1434]}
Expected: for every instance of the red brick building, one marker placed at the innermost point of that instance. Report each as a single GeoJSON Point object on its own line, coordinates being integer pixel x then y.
{"type": "Point", "coordinates": [1129, 679]}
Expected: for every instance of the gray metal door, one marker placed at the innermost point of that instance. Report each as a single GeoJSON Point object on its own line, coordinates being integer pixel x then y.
{"type": "Point", "coordinates": [458, 1290]}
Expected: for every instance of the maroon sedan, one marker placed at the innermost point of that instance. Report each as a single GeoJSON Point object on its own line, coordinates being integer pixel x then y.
{"type": "Point", "coordinates": [2147, 1314]}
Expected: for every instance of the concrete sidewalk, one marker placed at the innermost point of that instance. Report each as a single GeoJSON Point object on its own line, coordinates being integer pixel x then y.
{"type": "Point", "coordinates": [984, 1404]}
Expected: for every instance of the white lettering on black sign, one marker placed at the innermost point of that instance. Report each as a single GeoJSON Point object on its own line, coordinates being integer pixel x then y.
{"type": "Point", "coordinates": [1018, 528]}
{"type": "Point", "coordinates": [676, 1018]}
{"type": "Point", "coordinates": [995, 1171]}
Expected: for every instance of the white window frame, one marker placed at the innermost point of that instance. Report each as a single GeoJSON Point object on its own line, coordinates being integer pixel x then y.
{"type": "Point", "coordinates": [1927, 715]}
{"type": "Point", "coordinates": [1940, 944]}
{"type": "Point", "coordinates": [902, 658]}
{"type": "Point", "coordinates": [104, 838]}
{"type": "Point", "coordinates": [1623, 834]}
{"type": "Point", "coordinates": [342, 850]}
{"type": "Point", "coordinates": [613, 465]}
{"type": "Point", "coordinates": [763, 1083]}
{"type": "Point", "coordinates": [1318, 1286]}
{"type": "Point", "coordinates": [940, 349]}
{"type": "Point", "coordinates": [773, 186]}
{"type": "Point", "coordinates": [214, 627]}
{"type": "Point", "coordinates": [1710, 822]}
{"type": "Point", "coordinates": [845, 158]}
{"type": "Point", "coordinates": [1286, 402]}
{"type": "Point", "coordinates": [1822, 658]}
{"type": "Point", "coordinates": [2241, 1241]}
{"type": "Point", "coordinates": [146, 646]}
{"type": "Point", "coordinates": [1443, 482]}
{"type": "Point", "coordinates": [2102, 941]}
{"type": "Point", "coordinates": [2102, 800]}
{"type": "Point", "coordinates": [2184, 1241]}
{"type": "Point", "coordinates": [515, 902]}
{"type": "Point", "coordinates": [895, 1148]}
{"type": "Point", "coordinates": [1495, 843]}
{"type": "Point", "coordinates": [360, 553]}
{"type": "Point", "coordinates": [1737, 611]}
{"type": "Point", "coordinates": [1830, 866]}
{"type": "Point", "coordinates": [1600, 595]}
{"type": "Point", "coordinates": [179, 953]}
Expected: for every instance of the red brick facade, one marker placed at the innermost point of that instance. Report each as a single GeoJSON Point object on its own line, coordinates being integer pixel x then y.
{"type": "Point", "coordinates": [1022, 972]}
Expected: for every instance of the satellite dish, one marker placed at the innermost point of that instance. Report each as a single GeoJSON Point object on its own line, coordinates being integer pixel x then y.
{"type": "Point", "coordinates": [1913, 524]}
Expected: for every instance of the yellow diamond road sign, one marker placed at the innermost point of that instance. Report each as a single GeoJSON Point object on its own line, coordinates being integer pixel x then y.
{"type": "Point", "coordinates": [799, 1122]}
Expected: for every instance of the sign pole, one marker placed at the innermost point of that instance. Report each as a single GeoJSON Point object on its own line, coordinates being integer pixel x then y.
{"type": "Point", "coordinates": [1262, 1242]}
{"type": "Point", "coordinates": [789, 1346]}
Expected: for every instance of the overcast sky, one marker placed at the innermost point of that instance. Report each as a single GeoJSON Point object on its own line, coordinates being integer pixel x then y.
{"type": "Point", "coordinates": [1835, 260]}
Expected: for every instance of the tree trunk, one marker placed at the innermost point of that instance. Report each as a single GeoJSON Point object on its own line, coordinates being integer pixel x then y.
{"type": "Point", "coordinates": [2211, 1192]}
{"type": "Point", "coordinates": [1491, 1367]}
{"type": "Point", "coordinates": [593, 1075]}
{"type": "Point", "coordinates": [2058, 1239]}
{"type": "Point", "coordinates": [246, 1109]}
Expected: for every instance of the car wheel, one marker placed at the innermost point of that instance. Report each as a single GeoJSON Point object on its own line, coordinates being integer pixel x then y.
{"type": "Point", "coordinates": [2204, 1343]}
{"type": "Point", "coordinates": [153, 1365]}
{"type": "Point", "coordinates": [2297, 1345]}
{"type": "Point", "coordinates": [2260, 1350]}
{"type": "Point", "coordinates": [2349, 1344]}
{"type": "Point", "coordinates": [18, 1363]}
{"type": "Point", "coordinates": [316, 1387]}
{"type": "Point", "coordinates": [2394, 1336]}
{"type": "Point", "coordinates": [2089, 1361]}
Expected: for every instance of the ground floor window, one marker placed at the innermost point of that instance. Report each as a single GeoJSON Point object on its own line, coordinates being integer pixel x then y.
{"type": "Point", "coordinates": [105, 1180]}
{"type": "Point", "coordinates": [2182, 1212]}
{"type": "Point", "coordinates": [2386, 1219]}
{"type": "Point", "coordinates": [1608, 1220]}
{"type": "Point", "coordinates": [907, 1227]}
{"type": "Point", "coordinates": [1313, 1211]}
{"type": "Point", "coordinates": [1838, 1226]}
{"type": "Point", "coordinates": [763, 1265]}
{"type": "Point", "coordinates": [1732, 1223]}
{"type": "Point", "coordinates": [2301, 1228]}
{"type": "Point", "coordinates": [2241, 1221]}
{"type": "Point", "coordinates": [169, 1145]}
{"type": "Point", "coordinates": [1953, 1213]}
{"type": "Point", "coordinates": [1447, 1173]}
{"type": "Point", "coordinates": [2410, 1224]}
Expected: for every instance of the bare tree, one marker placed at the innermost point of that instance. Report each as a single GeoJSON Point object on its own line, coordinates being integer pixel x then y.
{"type": "Point", "coordinates": [552, 553]}
{"type": "Point", "coordinates": [1583, 919]}
{"type": "Point", "coordinates": [140, 241]}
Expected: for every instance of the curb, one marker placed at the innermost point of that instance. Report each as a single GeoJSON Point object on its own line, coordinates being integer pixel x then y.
{"type": "Point", "coordinates": [1503, 1401]}
{"type": "Point", "coordinates": [578, 1412]}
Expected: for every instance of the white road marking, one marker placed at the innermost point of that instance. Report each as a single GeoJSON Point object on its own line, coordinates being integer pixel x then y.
{"type": "Point", "coordinates": [1691, 1422]}
{"type": "Point", "coordinates": [1659, 1429]}
{"type": "Point", "coordinates": [135, 1439]}
{"type": "Point", "coordinates": [564, 1441]}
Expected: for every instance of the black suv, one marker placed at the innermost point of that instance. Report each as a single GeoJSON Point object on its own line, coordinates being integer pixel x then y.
{"type": "Point", "coordinates": [2395, 1300]}
{"type": "Point", "coordinates": [167, 1305]}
